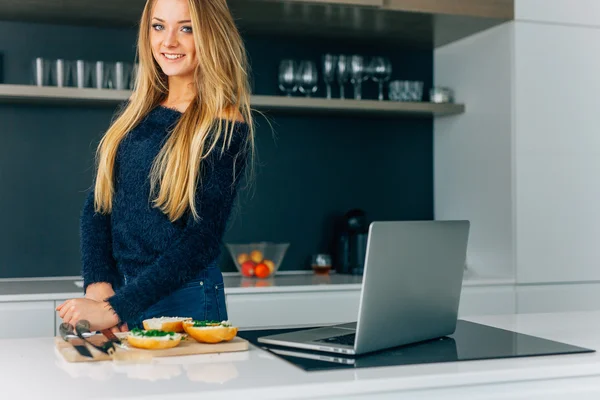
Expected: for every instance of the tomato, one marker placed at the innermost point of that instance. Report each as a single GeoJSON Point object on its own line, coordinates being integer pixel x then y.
{"type": "Point", "coordinates": [262, 271]}
{"type": "Point", "coordinates": [248, 268]}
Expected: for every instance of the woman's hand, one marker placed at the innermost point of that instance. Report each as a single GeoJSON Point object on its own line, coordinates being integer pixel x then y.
{"type": "Point", "coordinates": [99, 291]}
{"type": "Point", "coordinates": [99, 313]}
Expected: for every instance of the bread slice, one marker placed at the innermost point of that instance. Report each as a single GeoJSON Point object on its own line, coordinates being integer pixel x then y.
{"type": "Point", "coordinates": [210, 332]}
{"type": "Point", "coordinates": [165, 324]}
{"type": "Point", "coordinates": [143, 340]}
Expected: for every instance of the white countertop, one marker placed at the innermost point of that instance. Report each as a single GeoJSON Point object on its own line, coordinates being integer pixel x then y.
{"type": "Point", "coordinates": [32, 370]}
{"type": "Point", "coordinates": [60, 288]}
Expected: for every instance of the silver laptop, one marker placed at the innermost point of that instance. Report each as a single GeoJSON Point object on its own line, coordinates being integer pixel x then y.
{"type": "Point", "coordinates": [410, 291]}
{"type": "Point", "coordinates": [435, 350]}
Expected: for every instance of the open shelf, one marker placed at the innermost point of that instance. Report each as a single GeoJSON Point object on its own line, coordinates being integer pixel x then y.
{"type": "Point", "coordinates": [350, 106]}
{"type": "Point", "coordinates": [28, 94]}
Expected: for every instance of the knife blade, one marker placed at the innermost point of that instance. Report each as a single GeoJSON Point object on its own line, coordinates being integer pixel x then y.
{"type": "Point", "coordinates": [66, 332]}
{"type": "Point", "coordinates": [83, 327]}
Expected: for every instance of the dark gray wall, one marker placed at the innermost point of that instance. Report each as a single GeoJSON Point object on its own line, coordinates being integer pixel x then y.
{"type": "Point", "coordinates": [311, 169]}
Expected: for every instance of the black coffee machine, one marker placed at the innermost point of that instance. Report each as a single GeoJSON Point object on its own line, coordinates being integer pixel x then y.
{"type": "Point", "coordinates": [351, 243]}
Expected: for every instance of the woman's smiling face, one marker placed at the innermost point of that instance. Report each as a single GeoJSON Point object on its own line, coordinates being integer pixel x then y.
{"type": "Point", "coordinates": [171, 38]}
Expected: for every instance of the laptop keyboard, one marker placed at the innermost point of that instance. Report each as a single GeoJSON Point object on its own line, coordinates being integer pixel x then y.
{"type": "Point", "coordinates": [347, 340]}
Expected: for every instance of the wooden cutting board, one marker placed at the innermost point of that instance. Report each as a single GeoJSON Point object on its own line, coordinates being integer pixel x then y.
{"type": "Point", "coordinates": [188, 346]}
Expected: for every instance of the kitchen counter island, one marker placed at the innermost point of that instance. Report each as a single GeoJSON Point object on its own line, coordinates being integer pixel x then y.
{"type": "Point", "coordinates": [31, 369]}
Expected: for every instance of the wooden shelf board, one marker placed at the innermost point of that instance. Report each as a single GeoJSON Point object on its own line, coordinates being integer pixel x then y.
{"type": "Point", "coordinates": [375, 107]}
{"type": "Point", "coordinates": [73, 96]}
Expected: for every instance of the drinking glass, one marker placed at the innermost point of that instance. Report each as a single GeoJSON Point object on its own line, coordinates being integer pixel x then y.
{"type": "Point", "coordinates": [41, 71]}
{"type": "Point", "coordinates": [287, 78]}
{"type": "Point", "coordinates": [307, 78]}
{"type": "Point", "coordinates": [357, 69]}
{"type": "Point", "coordinates": [381, 70]}
{"type": "Point", "coordinates": [343, 72]}
{"type": "Point", "coordinates": [329, 65]}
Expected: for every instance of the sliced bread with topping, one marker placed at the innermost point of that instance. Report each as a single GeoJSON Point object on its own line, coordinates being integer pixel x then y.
{"type": "Point", "coordinates": [210, 331]}
{"type": "Point", "coordinates": [166, 324]}
{"type": "Point", "coordinates": [153, 339]}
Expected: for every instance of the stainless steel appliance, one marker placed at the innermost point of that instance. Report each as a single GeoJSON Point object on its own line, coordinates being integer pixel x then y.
{"type": "Point", "coordinates": [351, 243]}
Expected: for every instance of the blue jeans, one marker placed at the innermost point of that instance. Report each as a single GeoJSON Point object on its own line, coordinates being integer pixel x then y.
{"type": "Point", "coordinates": [202, 298]}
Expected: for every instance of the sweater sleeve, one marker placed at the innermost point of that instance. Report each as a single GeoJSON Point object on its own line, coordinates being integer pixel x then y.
{"type": "Point", "coordinates": [199, 243]}
{"type": "Point", "coordinates": [98, 264]}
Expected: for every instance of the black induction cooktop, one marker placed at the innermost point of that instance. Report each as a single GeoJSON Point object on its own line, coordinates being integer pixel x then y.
{"type": "Point", "coordinates": [470, 341]}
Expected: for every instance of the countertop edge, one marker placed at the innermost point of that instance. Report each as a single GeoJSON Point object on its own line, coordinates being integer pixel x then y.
{"type": "Point", "coordinates": [294, 288]}
{"type": "Point", "coordinates": [470, 282]}
{"type": "Point", "coordinates": [39, 297]}
{"type": "Point", "coordinates": [400, 385]}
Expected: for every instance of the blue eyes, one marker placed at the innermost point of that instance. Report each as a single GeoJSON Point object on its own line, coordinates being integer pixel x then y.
{"type": "Point", "coordinates": [160, 27]}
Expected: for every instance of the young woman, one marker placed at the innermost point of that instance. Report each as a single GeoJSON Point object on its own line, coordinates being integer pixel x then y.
{"type": "Point", "coordinates": [167, 173]}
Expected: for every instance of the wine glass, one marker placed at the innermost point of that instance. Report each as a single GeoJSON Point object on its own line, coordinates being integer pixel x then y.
{"type": "Point", "coordinates": [329, 65]}
{"type": "Point", "coordinates": [343, 72]}
{"type": "Point", "coordinates": [287, 77]}
{"type": "Point", "coordinates": [307, 78]}
{"type": "Point", "coordinates": [381, 70]}
{"type": "Point", "coordinates": [357, 70]}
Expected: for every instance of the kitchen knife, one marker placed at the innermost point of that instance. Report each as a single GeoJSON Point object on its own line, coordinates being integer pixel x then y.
{"type": "Point", "coordinates": [111, 336]}
{"type": "Point", "coordinates": [66, 332]}
{"type": "Point", "coordinates": [108, 346]}
{"type": "Point", "coordinates": [83, 327]}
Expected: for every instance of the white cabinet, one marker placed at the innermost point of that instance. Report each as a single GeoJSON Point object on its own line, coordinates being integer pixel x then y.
{"type": "Point", "coordinates": [259, 310]}
{"type": "Point", "coordinates": [27, 319]}
{"type": "Point", "coordinates": [572, 12]}
{"type": "Point", "coordinates": [558, 298]}
{"type": "Point", "coordinates": [487, 300]}
{"type": "Point", "coordinates": [57, 319]}
{"type": "Point", "coordinates": [522, 162]}
{"type": "Point", "coordinates": [556, 153]}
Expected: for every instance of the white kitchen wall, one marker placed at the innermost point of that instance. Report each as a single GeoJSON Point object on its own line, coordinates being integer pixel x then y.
{"type": "Point", "coordinates": [578, 12]}
{"type": "Point", "coordinates": [557, 151]}
{"type": "Point", "coordinates": [472, 152]}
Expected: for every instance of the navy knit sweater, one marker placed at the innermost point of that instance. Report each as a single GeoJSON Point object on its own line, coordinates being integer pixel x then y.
{"type": "Point", "coordinates": [136, 248]}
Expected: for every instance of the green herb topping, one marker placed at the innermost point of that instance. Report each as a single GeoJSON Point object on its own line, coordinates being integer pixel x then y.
{"type": "Point", "coordinates": [210, 323]}
{"type": "Point", "coordinates": [151, 333]}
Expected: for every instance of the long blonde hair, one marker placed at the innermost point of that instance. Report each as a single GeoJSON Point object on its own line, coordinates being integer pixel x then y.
{"type": "Point", "coordinates": [223, 91]}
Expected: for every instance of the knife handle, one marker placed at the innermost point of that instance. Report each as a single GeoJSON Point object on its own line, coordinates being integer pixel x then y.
{"type": "Point", "coordinates": [65, 330]}
{"type": "Point", "coordinates": [82, 327]}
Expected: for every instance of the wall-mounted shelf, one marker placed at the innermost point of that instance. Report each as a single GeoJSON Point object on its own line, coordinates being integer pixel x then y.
{"type": "Point", "coordinates": [25, 94]}
{"type": "Point", "coordinates": [30, 94]}
{"type": "Point", "coordinates": [338, 106]}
